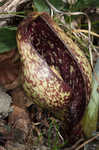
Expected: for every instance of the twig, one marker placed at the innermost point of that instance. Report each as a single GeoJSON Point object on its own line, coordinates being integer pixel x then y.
{"type": "Point", "coordinates": [91, 44]}
{"type": "Point", "coordinates": [11, 14]}
{"type": "Point", "coordinates": [85, 31]}
{"type": "Point", "coordinates": [86, 142]}
{"type": "Point", "coordinates": [59, 134]}
{"type": "Point", "coordinates": [10, 7]}
{"type": "Point", "coordinates": [52, 12]}
{"type": "Point", "coordinates": [75, 145]}
{"type": "Point", "coordinates": [97, 47]}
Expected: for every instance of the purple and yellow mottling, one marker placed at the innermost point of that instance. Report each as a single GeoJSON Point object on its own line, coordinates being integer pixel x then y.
{"type": "Point", "coordinates": [55, 72]}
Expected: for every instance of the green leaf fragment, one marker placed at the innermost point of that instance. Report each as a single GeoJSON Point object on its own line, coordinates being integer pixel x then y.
{"type": "Point", "coordinates": [41, 6]}
{"type": "Point", "coordinates": [7, 39]}
{"type": "Point", "coordinates": [59, 4]}
{"type": "Point", "coordinates": [83, 4]}
{"type": "Point", "coordinates": [89, 121]}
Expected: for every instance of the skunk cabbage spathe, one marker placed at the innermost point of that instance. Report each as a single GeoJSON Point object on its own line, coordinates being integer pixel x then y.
{"type": "Point", "coordinates": [56, 74]}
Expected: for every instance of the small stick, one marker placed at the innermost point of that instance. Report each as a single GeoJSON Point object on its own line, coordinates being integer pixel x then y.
{"type": "Point", "coordinates": [75, 145]}
{"type": "Point", "coordinates": [86, 142]}
{"type": "Point", "coordinates": [86, 31]}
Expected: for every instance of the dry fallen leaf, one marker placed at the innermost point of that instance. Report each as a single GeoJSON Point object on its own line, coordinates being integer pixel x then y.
{"type": "Point", "coordinates": [14, 146]}
{"type": "Point", "coordinates": [9, 69]}
{"type": "Point", "coordinates": [19, 119]}
{"type": "Point", "coordinates": [2, 148]}
{"type": "Point", "coordinates": [19, 97]}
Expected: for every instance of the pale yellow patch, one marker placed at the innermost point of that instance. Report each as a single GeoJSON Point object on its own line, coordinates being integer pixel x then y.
{"type": "Point", "coordinates": [71, 69]}
{"type": "Point", "coordinates": [19, 36]}
{"type": "Point", "coordinates": [56, 72]}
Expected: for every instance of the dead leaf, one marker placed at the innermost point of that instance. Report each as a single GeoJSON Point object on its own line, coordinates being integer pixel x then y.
{"type": "Point", "coordinates": [9, 69]}
{"type": "Point", "coordinates": [19, 97]}
{"type": "Point", "coordinates": [14, 146]}
{"type": "Point", "coordinates": [2, 148]}
{"type": "Point", "coordinates": [3, 127]}
{"type": "Point", "coordinates": [19, 119]}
